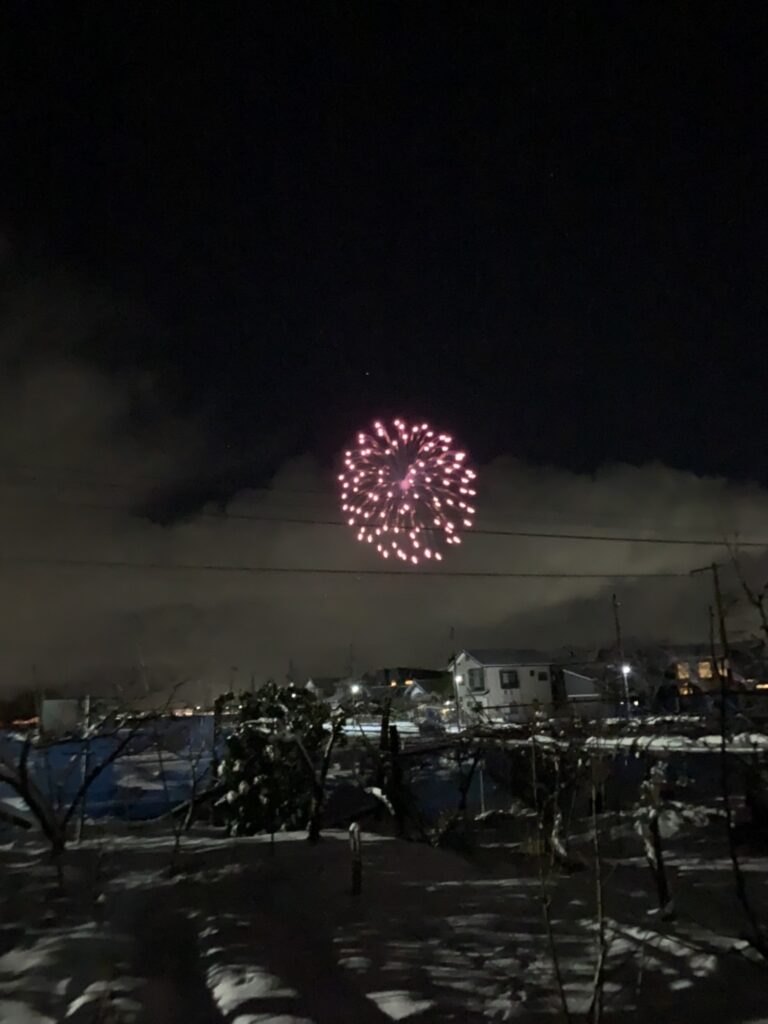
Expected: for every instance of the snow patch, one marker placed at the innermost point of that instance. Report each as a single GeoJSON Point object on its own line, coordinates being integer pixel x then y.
{"type": "Point", "coordinates": [355, 963]}
{"type": "Point", "coordinates": [20, 1013]}
{"type": "Point", "coordinates": [19, 961]}
{"type": "Point", "coordinates": [232, 986]}
{"type": "Point", "coordinates": [113, 992]}
{"type": "Point", "coordinates": [269, 1018]}
{"type": "Point", "coordinates": [399, 1005]}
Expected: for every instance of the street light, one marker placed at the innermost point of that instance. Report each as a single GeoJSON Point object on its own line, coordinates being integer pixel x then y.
{"type": "Point", "coordinates": [354, 688]}
{"type": "Point", "coordinates": [625, 670]}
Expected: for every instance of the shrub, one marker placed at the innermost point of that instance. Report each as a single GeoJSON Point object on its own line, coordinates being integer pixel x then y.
{"type": "Point", "coordinates": [268, 764]}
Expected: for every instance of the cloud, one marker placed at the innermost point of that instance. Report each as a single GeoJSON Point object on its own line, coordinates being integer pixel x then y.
{"type": "Point", "coordinates": [77, 461]}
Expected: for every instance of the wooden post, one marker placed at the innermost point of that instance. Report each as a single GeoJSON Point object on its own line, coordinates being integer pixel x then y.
{"type": "Point", "coordinates": [357, 861]}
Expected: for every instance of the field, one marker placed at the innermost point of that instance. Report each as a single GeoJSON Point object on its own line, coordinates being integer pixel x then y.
{"type": "Point", "coordinates": [246, 930]}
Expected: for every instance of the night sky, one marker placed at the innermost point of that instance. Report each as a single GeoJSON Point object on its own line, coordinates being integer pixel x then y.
{"type": "Point", "coordinates": [542, 226]}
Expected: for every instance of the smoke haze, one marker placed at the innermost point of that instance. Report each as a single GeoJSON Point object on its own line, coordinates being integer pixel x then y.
{"type": "Point", "coordinates": [83, 451]}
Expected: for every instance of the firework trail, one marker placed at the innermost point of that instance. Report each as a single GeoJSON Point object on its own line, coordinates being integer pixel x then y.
{"type": "Point", "coordinates": [407, 491]}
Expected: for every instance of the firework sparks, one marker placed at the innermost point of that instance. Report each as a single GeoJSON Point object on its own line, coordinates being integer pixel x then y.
{"type": "Point", "coordinates": [407, 491]}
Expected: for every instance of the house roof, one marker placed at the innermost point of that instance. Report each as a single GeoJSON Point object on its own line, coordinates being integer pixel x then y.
{"type": "Point", "coordinates": [508, 656]}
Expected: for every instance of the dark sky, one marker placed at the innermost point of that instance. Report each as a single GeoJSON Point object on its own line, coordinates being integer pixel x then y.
{"type": "Point", "coordinates": [543, 225]}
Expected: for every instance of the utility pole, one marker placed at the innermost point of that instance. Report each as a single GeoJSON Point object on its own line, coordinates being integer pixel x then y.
{"type": "Point", "coordinates": [728, 674]}
{"type": "Point", "coordinates": [620, 651]}
{"type": "Point", "coordinates": [721, 666]}
{"type": "Point", "coordinates": [617, 625]}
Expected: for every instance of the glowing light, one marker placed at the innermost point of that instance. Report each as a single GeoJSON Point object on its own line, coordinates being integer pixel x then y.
{"type": "Point", "coordinates": [404, 475]}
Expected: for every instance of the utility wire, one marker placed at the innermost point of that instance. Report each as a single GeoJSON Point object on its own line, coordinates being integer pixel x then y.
{"type": "Point", "coordinates": [32, 477]}
{"type": "Point", "coordinates": [99, 563]}
{"type": "Point", "coordinates": [548, 535]}
{"type": "Point", "coordinates": [280, 519]}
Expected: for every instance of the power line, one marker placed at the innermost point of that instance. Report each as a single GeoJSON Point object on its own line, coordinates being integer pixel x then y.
{"type": "Point", "coordinates": [98, 563]}
{"type": "Point", "coordinates": [475, 531]}
{"type": "Point", "coordinates": [87, 479]}
{"type": "Point", "coordinates": [536, 534]}
{"type": "Point", "coordinates": [255, 517]}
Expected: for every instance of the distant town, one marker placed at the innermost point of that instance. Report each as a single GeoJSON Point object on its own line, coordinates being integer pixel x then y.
{"type": "Point", "coordinates": [491, 685]}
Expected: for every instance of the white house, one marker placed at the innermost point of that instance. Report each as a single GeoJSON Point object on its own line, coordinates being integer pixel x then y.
{"type": "Point", "coordinates": [511, 684]}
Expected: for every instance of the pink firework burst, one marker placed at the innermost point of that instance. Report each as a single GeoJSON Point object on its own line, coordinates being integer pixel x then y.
{"type": "Point", "coordinates": [408, 491]}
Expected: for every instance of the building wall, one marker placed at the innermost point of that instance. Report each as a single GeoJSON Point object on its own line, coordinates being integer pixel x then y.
{"type": "Point", "coordinates": [61, 716]}
{"type": "Point", "coordinates": [577, 693]}
{"type": "Point", "coordinates": [700, 670]}
{"type": "Point", "coordinates": [535, 686]}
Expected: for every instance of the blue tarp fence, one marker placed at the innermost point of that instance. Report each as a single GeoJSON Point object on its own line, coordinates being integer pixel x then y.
{"type": "Point", "coordinates": [133, 786]}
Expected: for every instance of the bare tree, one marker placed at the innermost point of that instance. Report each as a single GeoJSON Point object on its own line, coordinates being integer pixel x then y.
{"type": "Point", "coordinates": [544, 895]}
{"type": "Point", "coordinates": [759, 601]}
{"type": "Point", "coordinates": [195, 760]}
{"type": "Point", "coordinates": [319, 773]}
{"type": "Point", "coordinates": [647, 818]}
{"type": "Point", "coordinates": [51, 810]}
{"type": "Point", "coordinates": [757, 597]}
{"type": "Point", "coordinates": [602, 946]}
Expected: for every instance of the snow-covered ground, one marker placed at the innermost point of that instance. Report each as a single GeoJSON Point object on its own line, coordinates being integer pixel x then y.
{"type": "Point", "coordinates": [247, 932]}
{"type": "Point", "coordinates": [373, 728]}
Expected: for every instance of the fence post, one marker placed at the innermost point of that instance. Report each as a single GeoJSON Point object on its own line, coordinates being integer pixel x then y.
{"type": "Point", "coordinates": [357, 863]}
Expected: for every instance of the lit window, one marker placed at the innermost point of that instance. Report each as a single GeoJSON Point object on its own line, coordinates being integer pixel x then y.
{"type": "Point", "coordinates": [683, 670]}
{"type": "Point", "coordinates": [705, 669]}
{"type": "Point", "coordinates": [476, 679]}
{"type": "Point", "coordinates": [509, 679]}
